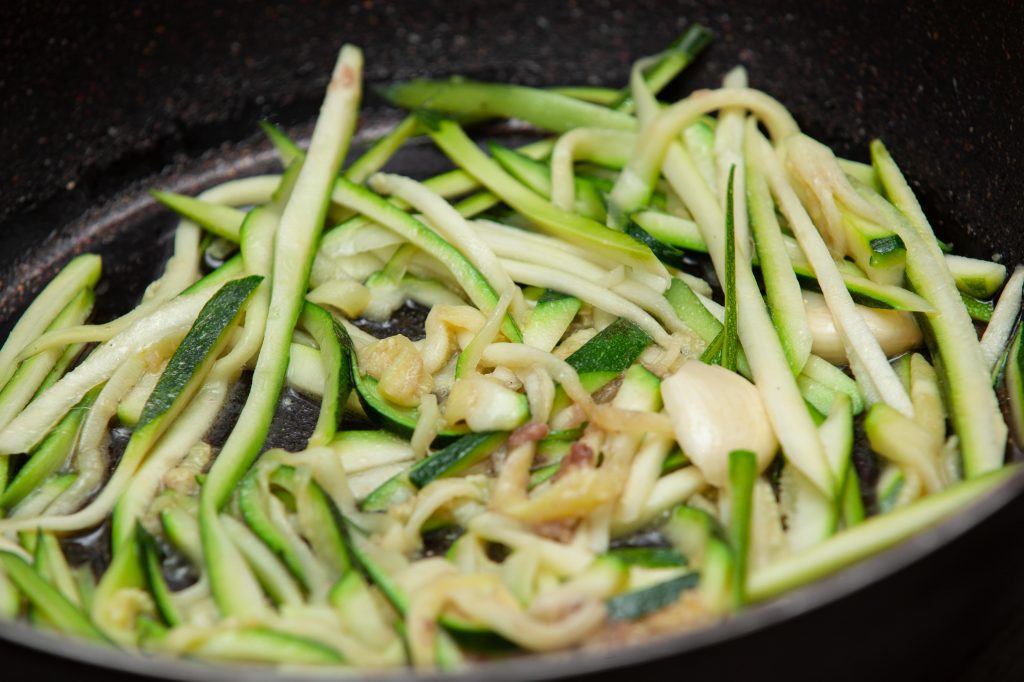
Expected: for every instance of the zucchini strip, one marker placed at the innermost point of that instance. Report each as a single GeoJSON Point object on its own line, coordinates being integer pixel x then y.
{"type": "Point", "coordinates": [54, 606]}
{"type": "Point", "coordinates": [456, 230]}
{"type": "Point", "coordinates": [871, 537]}
{"type": "Point", "coordinates": [1001, 324]}
{"type": "Point", "coordinates": [179, 382]}
{"type": "Point", "coordinates": [81, 273]}
{"type": "Point", "coordinates": [782, 289]}
{"type": "Point", "coordinates": [636, 183]}
{"type": "Point", "coordinates": [336, 360]}
{"type": "Point", "coordinates": [30, 375]}
{"type": "Point", "coordinates": [470, 279]}
{"type": "Point", "coordinates": [866, 356]}
{"type": "Point", "coordinates": [544, 109]}
{"type": "Point", "coordinates": [770, 370]}
{"type": "Point", "coordinates": [974, 409]}
{"type": "Point", "coordinates": [573, 228]}
{"type": "Point", "coordinates": [294, 249]}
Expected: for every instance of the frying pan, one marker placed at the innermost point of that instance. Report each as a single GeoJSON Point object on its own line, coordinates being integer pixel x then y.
{"type": "Point", "coordinates": [102, 100]}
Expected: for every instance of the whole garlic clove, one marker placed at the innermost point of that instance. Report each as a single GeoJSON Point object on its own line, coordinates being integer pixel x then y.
{"type": "Point", "coordinates": [896, 330]}
{"type": "Point", "coordinates": [715, 411]}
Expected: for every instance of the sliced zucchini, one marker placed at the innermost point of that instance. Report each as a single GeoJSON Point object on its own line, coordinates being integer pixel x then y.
{"type": "Point", "coordinates": [871, 537]}
{"type": "Point", "coordinates": [609, 353]}
{"type": "Point", "coordinates": [637, 604]}
{"type": "Point", "coordinates": [456, 458]}
{"type": "Point", "coordinates": [394, 418]}
{"type": "Point", "coordinates": [977, 278]}
{"type": "Point", "coordinates": [47, 600]}
{"type": "Point", "coordinates": [254, 644]}
{"type": "Point", "coordinates": [151, 566]}
{"type": "Point", "coordinates": [537, 176]}
{"type": "Point", "coordinates": [545, 109]}
{"type": "Point", "coordinates": [223, 221]}
{"type": "Point", "coordinates": [48, 457]}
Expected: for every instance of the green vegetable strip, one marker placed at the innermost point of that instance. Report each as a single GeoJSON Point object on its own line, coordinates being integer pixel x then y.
{"type": "Point", "coordinates": [50, 455]}
{"type": "Point", "coordinates": [576, 229]}
{"type": "Point", "coordinates": [223, 221]}
{"type": "Point", "coordinates": [782, 289]}
{"type": "Point", "coordinates": [871, 537]}
{"type": "Point", "coordinates": [34, 371]}
{"type": "Point", "coordinates": [374, 158]}
{"type": "Point", "coordinates": [669, 64]}
{"type": "Point", "coordinates": [974, 409]}
{"type": "Point", "coordinates": [295, 243]}
{"type": "Point", "coordinates": [55, 607]}
{"type": "Point", "coordinates": [590, 93]}
{"type": "Point", "coordinates": [685, 234]}
{"type": "Point", "coordinates": [285, 147]}
{"type": "Point", "coordinates": [152, 569]}
{"type": "Point", "coordinates": [81, 273]}
{"type": "Point", "coordinates": [544, 109]}
{"type": "Point", "coordinates": [472, 281]}
{"type": "Point", "coordinates": [742, 476]}
{"type": "Point", "coordinates": [336, 358]}
{"type": "Point", "coordinates": [730, 340]}
{"type": "Point", "coordinates": [636, 183]}
{"type": "Point", "coordinates": [769, 368]}
{"type": "Point", "coordinates": [294, 248]}
{"type": "Point", "coordinates": [197, 348]}
{"type": "Point", "coordinates": [1014, 378]}
{"type": "Point", "coordinates": [634, 605]}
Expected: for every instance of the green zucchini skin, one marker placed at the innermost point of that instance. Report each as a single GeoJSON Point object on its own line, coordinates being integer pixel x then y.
{"type": "Point", "coordinates": [742, 476]}
{"type": "Point", "coordinates": [398, 420]}
{"type": "Point", "coordinates": [336, 356]}
{"type": "Point", "coordinates": [544, 109]}
{"type": "Point", "coordinates": [613, 349]}
{"type": "Point", "coordinates": [550, 319]}
{"type": "Point", "coordinates": [256, 644]}
{"type": "Point", "coordinates": [49, 455]}
{"type": "Point", "coordinates": [216, 317]}
{"type": "Point", "coordinates": [639, 603]}
{"type": "Point", "coordinates": [162, 597]}
{"type": "Point", "coordinates": [464, 453]}
{"type": "Point", "coordinates": [457, 457]}
{"type": "Point", "coordinates": [54, 606]}
{"type": "Point", "coordinates": [649, 557]}
{"type": "Point", "coordinates": [251, 509]}
{"type": "Point", "coordinates": [223, 221]}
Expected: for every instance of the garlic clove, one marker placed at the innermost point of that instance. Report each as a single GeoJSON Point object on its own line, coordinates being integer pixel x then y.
{"type": "Point", "coordinates": [715, 411]}
{"type": "Point", "coordinates": [896, 330]}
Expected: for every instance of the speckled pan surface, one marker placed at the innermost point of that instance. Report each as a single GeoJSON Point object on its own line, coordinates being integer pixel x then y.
{"type": "Point", "coordinates": [101, 100]}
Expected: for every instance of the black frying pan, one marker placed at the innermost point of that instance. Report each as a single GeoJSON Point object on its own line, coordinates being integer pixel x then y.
{"type": "Point", "coordinates": [102, 100]}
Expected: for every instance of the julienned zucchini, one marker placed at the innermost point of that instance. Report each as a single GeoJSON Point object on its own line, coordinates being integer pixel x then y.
{"type": "Point", "coordinates": [465, 273]}
{"type": "Point", "coordinates": [974, 409]}
{"type": "Point", "coordinates": [545, 109]}
{"type": "Point", "coordinates": [183, 376]}
{"type": "Point", "coordinates": [223, 221]}
{"type": "Point", "coordinates": [394, 418]}
{"type": "Point", "coordinates": [49, 455]}
{"type": "Point", "coordinates": [52, 605]}
{"type": "Point", "coordinates": [871, 537]}
{"type": "Point", "coordinates": [609, 353]}
{"type": "Point", "coordinates": [573, 228]}
{"type": "Point", "coordinates": [454, 459]}
{"type": "Point", "coordinates": [336, 361]}
{"type": "Point", "coordinates": [537, 176]}
{"type": "Point", "coordinates": [295, 245]}
{"type": "Point", "coordinates": [153, 571]}
{"type": "Point", "coordinates": [550, 319]}
{"type": "Point", "coordinates": [637, 604]}
{"type": "Point", "coordinates": [256, 644]}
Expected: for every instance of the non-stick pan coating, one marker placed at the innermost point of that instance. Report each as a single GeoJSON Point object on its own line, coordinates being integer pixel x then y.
{"type": "Point", "coordinates": [102, 100]}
